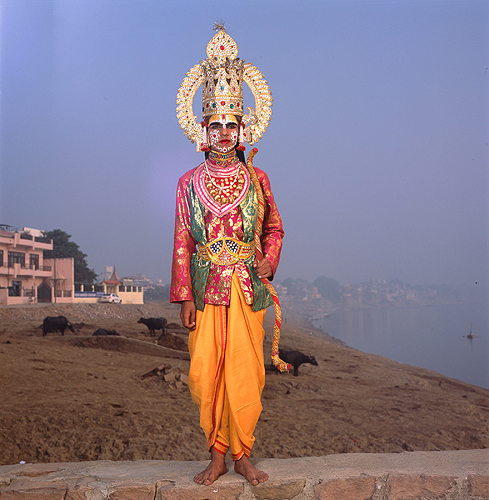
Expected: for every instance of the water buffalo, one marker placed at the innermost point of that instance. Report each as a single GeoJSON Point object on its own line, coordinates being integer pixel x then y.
{"type": "Point", "coordinates": [154, 324]}
{"type": "Point", "coordinates": [103, 331]}
{"type": "Point", "coordinates": [56, 324]}
{"type": "Point", "coordinates": [296, 359]}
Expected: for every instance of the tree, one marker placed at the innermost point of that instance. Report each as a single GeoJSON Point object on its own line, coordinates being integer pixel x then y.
{"type": "Point", "coordinates": [289, 283]}
{"type": "Point", "coordinates": [329, 288]}
{"type": "Point", "coordinates": [64, 248]}
{"type": "Point", "coordinates": [295, 288]}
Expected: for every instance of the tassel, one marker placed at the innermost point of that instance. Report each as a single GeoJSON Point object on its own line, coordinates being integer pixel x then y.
{"type": "Point", "coordinates": [281, 365]}
{"type": "Point", "coordinates": [241, 146]}
{"type": "Point", "coordinates": [204, 146]}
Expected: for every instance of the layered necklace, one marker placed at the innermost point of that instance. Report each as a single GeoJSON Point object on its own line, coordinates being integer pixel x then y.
{"type": "Point", "coordinates": [224, 177]}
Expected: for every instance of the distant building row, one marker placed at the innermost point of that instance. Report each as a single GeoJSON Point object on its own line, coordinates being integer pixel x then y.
{"type": "Point", "coordinates": [378, 292]}
{"type": "Point", "coordinates": [367, 294]}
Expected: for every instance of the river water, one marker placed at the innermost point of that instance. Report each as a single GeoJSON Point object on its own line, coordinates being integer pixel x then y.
{"type": "Point", "coordinates": [428, 337]}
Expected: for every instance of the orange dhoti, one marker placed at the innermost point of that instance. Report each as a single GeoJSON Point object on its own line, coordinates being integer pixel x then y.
{"type": "Point", "coordinates": [227, 372]}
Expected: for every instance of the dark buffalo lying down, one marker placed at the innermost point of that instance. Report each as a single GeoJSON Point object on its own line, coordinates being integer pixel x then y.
{"type": "Point", "coordinates": [154, 324]}
{"type": "Point", "coordinates": [296, 359]}
{"type": "Point", "coordinates": [56, 324]}
{"type": "Point", "coordinates": [103, 331]}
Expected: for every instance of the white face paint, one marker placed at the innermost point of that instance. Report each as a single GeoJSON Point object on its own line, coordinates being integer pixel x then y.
{"type": "Point", "coordinates": [223, 138]}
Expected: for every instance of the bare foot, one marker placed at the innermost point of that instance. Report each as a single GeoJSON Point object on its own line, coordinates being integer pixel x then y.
{"type": "Point", "coordinates": [216, 468]}
{"type": "Point", "coordinates": [244, 467]}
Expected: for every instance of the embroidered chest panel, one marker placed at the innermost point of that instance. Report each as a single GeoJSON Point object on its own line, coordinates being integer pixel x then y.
{"type": "Point", "coordinates": [220, 192]}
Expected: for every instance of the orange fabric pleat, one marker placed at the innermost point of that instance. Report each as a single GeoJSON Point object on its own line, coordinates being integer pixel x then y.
{"type": "Point", "coordinates": [227, 372]}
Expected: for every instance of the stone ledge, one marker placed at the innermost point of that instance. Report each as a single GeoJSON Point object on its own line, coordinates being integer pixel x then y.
{"type": "Point", "coordinates": [447, 475]}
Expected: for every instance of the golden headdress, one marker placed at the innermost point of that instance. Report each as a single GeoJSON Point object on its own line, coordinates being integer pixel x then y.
{"type": "Point", "coordinates": [221, 76]}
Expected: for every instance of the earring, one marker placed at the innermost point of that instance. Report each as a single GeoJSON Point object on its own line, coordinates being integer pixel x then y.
{"type": "Point", "coordinates": [241, 146]}
{"type": "Point", "coordinates": [204, 146]}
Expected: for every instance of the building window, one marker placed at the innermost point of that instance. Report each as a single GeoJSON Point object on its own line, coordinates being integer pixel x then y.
{"type": "Point", "coordinates": [1, 259]}
{"type": "Point", "coordinates": [16, 258]}
{"type": "Point", "coordinates": [34, 261]}
{"type": "Point", "coordinates": [15, 289]}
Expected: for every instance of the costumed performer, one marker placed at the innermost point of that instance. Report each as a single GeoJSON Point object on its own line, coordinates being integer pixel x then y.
{"type": "Point", "coordinates": [216, 275]}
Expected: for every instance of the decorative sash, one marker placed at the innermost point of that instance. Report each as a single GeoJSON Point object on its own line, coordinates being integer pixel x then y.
{"type": "Point", "coordinates": [226, 251]}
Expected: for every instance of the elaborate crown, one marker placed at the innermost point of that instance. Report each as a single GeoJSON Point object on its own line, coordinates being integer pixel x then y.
{"type": "Point", "coordinates": [222, 88]}
{"type": "Point", "coordinates": [222, 75]}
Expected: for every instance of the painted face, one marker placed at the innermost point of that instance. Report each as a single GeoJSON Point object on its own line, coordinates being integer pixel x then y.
{"type": "Point", "coordinates": [223, 137]}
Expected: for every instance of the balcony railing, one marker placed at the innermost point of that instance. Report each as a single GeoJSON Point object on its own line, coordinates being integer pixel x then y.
{"type": "Point", "coordinates": [33, 267]}
{"type": "Point", "coordinates": [37, 267]}
{"type": "Point", "coordinates": [129, 288]}
{"type": "Point", "coordinates": [29, 237]}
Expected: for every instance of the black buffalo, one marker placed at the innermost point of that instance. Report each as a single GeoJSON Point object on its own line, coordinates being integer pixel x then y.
{"type": "Point", "coordinates": [103, 331]}
{"type": "Point", "coordinates": [154, 324]}
{"type": "Point", "coordinates": [296, 359]}
{"type": "Point", "coordinates": [56, 324]}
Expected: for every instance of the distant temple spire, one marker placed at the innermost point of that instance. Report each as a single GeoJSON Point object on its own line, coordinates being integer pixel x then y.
{"type": "Point", "coordinates": [114, 279]}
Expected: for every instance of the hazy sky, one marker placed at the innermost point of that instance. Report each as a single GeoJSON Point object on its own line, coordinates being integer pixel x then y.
{"type": "Point", "coordinates": [377, 149]}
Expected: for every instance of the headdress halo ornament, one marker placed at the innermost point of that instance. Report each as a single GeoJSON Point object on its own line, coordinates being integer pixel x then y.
{"type": "Point", "coordinates": [222, 75]}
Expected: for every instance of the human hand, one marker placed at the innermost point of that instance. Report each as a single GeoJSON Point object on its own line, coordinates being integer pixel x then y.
{"type": "Point", "coordinates": [187, 314]}
{"type": "Point", "coordinates": [263, 268]}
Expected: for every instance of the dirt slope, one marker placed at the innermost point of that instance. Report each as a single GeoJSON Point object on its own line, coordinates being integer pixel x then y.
{"type": "Point", "coordinates": [73, 398]}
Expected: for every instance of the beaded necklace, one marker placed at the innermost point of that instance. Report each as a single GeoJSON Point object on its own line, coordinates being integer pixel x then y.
{"type": "Point", "coordinates": [227, 183]}
{"type": "Point", "coordinates": [224, 184]}
{"type": "Point", "coordinates": [222, 159]}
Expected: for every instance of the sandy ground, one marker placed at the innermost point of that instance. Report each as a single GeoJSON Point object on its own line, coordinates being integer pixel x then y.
{"type": "Point", "coordinates": [77, 397]}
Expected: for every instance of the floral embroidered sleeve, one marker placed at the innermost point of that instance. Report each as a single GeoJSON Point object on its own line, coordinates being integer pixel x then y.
{"type": "Point", "coordinates": [272, 234]}
{"type": "Point", "coordinates": [184, 245]}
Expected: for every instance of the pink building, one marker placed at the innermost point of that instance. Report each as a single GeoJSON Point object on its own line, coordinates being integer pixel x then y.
{"type": "Point", "coordinates": [25, 277]}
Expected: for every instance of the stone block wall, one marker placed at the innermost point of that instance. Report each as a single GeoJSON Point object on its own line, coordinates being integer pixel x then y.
{"type": "Point", "coordinates": [453, 475]}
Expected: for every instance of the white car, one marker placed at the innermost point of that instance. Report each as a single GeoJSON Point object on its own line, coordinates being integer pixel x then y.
{"type": "Point", "coordinates": [112, 298]}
